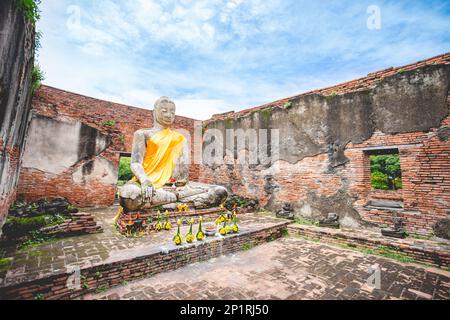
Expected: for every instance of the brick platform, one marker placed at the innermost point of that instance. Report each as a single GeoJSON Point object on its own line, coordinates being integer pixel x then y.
{"type": "Point", "coordinates": [207, 215]}
{"type": "Point", "coordinates": [109, 259]}
{"type": "Point", "coordinates": [77, 224]}
{"type": "Point", "coordinates": [430, 252]}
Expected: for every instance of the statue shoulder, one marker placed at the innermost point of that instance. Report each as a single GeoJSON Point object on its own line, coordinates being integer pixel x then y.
{"type": "Point", "coordinates": [144, 133]}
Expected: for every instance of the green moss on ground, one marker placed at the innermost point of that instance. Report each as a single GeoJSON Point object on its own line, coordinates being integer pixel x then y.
{"type": "Point", "coordinates": [16, 227]}
{"type": "Point", "coordinates": [307, 222]}
{"type": "Point", "coordinates": [247, 246]}
{"type": "Point", "coordinates": [4, 264]}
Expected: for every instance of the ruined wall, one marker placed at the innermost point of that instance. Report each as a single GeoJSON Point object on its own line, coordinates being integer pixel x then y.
{"type": "Point", "coordinates": [325, 137]}
{"type": "Point", "coordinates": [16, 63]}
{"type": "Point", "coordinates": [74, 146]}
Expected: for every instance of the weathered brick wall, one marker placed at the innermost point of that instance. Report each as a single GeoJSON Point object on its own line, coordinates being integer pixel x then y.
{"type": "Point", "coordinates": [16, 56]}
{"type": "Point", "coordinates": [82, 183]}
{"type": "Point", "coordinates": [325, 136]}
{"type": "Point", "coordinates": [425, 165]}
{"type": "Point", "coordinates": [78, 223]}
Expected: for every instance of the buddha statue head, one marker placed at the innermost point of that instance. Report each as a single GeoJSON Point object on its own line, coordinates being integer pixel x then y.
{"type": "Point", "coordinates": [164, 112]}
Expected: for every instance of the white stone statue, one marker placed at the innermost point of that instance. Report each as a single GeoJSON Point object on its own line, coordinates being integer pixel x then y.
{"type": "Point", "coordinates": [159, 160]}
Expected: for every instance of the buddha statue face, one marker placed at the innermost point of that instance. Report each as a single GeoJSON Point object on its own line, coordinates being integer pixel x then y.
{"type": "Point", "coordinates": [164, 112]}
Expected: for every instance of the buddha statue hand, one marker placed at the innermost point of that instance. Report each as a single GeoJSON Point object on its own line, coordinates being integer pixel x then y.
{"type": "Point", "coordinates": [148, 190]}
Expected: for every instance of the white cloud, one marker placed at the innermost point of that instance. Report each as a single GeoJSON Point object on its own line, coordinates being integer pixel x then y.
{"type": "Point", "coordinates": [213, 56]}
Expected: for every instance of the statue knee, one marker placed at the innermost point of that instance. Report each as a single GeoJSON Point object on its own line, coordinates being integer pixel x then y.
{"type": "Point", "coordinates": [130, 197]}
{"type": "Point", "coordinates": [130, 191]}
{"type": "Point", "coordinates": [221, 193]}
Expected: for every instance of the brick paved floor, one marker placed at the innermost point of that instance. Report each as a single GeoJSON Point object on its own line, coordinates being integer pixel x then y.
{"type": "Point", "coordinates": [289, 268]}
{"type": "Point", "coordinates": [88, 250]}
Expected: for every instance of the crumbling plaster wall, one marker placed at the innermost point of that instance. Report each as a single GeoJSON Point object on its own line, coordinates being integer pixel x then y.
{"type": "Point", "coordinates": [323, 166]}
{"type": "Point", "coordinates": [16, 56]}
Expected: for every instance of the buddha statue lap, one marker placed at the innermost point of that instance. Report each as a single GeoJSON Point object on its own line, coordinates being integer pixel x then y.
{"type": "Point", "coordinates": [160, 164]}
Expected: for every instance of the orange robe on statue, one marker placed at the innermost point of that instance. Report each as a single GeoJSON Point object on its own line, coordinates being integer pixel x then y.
{"type": "Point", "coordinates": [163, 150]}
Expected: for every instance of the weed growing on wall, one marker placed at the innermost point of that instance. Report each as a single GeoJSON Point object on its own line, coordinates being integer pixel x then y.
{"type": "Point", "coordinates": [30, 9]}
{"type": "Point", "coordinates": [37, 76]}
{"type": "Point", "coordinates": [109, 123]}
{"type": "Point", "coordinates": [31, 12]}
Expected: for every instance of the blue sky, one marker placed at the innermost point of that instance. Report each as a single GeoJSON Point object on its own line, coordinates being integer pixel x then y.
{"type": "Point", "coordinates": [220, 55]}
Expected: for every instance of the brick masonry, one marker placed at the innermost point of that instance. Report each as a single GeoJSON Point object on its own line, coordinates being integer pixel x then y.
{"type": "Point", "coordinates": [77, 224]}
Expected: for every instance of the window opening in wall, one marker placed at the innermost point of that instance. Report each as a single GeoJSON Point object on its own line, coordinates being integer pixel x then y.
{"type": "Point", "coordinates": [125, 173]}
{"type": "Point", "coordinates": [385, 170]}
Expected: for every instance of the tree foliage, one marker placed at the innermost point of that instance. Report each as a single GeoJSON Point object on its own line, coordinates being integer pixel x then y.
{"type": "Point", "coordinates": [125, 173]}
{"type": "Point", "coordinates": [30, 9]}
{"type": "Point", "coordinates": [386, 172]}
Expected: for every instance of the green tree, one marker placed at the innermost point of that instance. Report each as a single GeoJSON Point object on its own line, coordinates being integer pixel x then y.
{"type": "Point", "coordinates": [386, 172]}
{"type": "Point", "coordinates": [125, 173]}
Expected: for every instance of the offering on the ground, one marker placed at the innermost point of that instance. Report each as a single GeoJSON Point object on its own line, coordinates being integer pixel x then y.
{"type": "Point", "coordinates": [167, 225]}
{"type": "Point", "coordinates": [223, 215]}
{"type": "Point", "coordinates": [182, 208]}
{"type": "Point", "coordinates": [223, 231]}
{"type": "Point", "coordinates": [200, 235]}
{"type": "Point", "coordinates": [190, 236]}
{"type": "Point", "coordinates": [159, 225]}
{"type": "Point", "coordinates": [178, 238]}
{"type": "Point", "coordinates": [228, 226]}
{"type": "Point", "coordinates": [235, 226]}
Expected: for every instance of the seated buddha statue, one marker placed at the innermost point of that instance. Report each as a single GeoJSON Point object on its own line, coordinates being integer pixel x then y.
{"type": "Point", "coordinates": [160, 164]}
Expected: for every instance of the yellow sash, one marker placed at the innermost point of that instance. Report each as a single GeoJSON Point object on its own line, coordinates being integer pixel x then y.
{"type": "Point", "coordinates": [163, 150]}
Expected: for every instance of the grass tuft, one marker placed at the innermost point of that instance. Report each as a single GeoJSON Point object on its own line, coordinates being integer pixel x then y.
{"type": "Point", "coordinates": [307, 222]}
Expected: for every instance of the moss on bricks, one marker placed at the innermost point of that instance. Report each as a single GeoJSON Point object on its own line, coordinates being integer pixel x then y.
{"type": "Point", "coordinates": [5, 264]}
{"type": "Point", "coordinates": [228, 123]}
{"type": "Point", "coordinates": [306, 222]}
